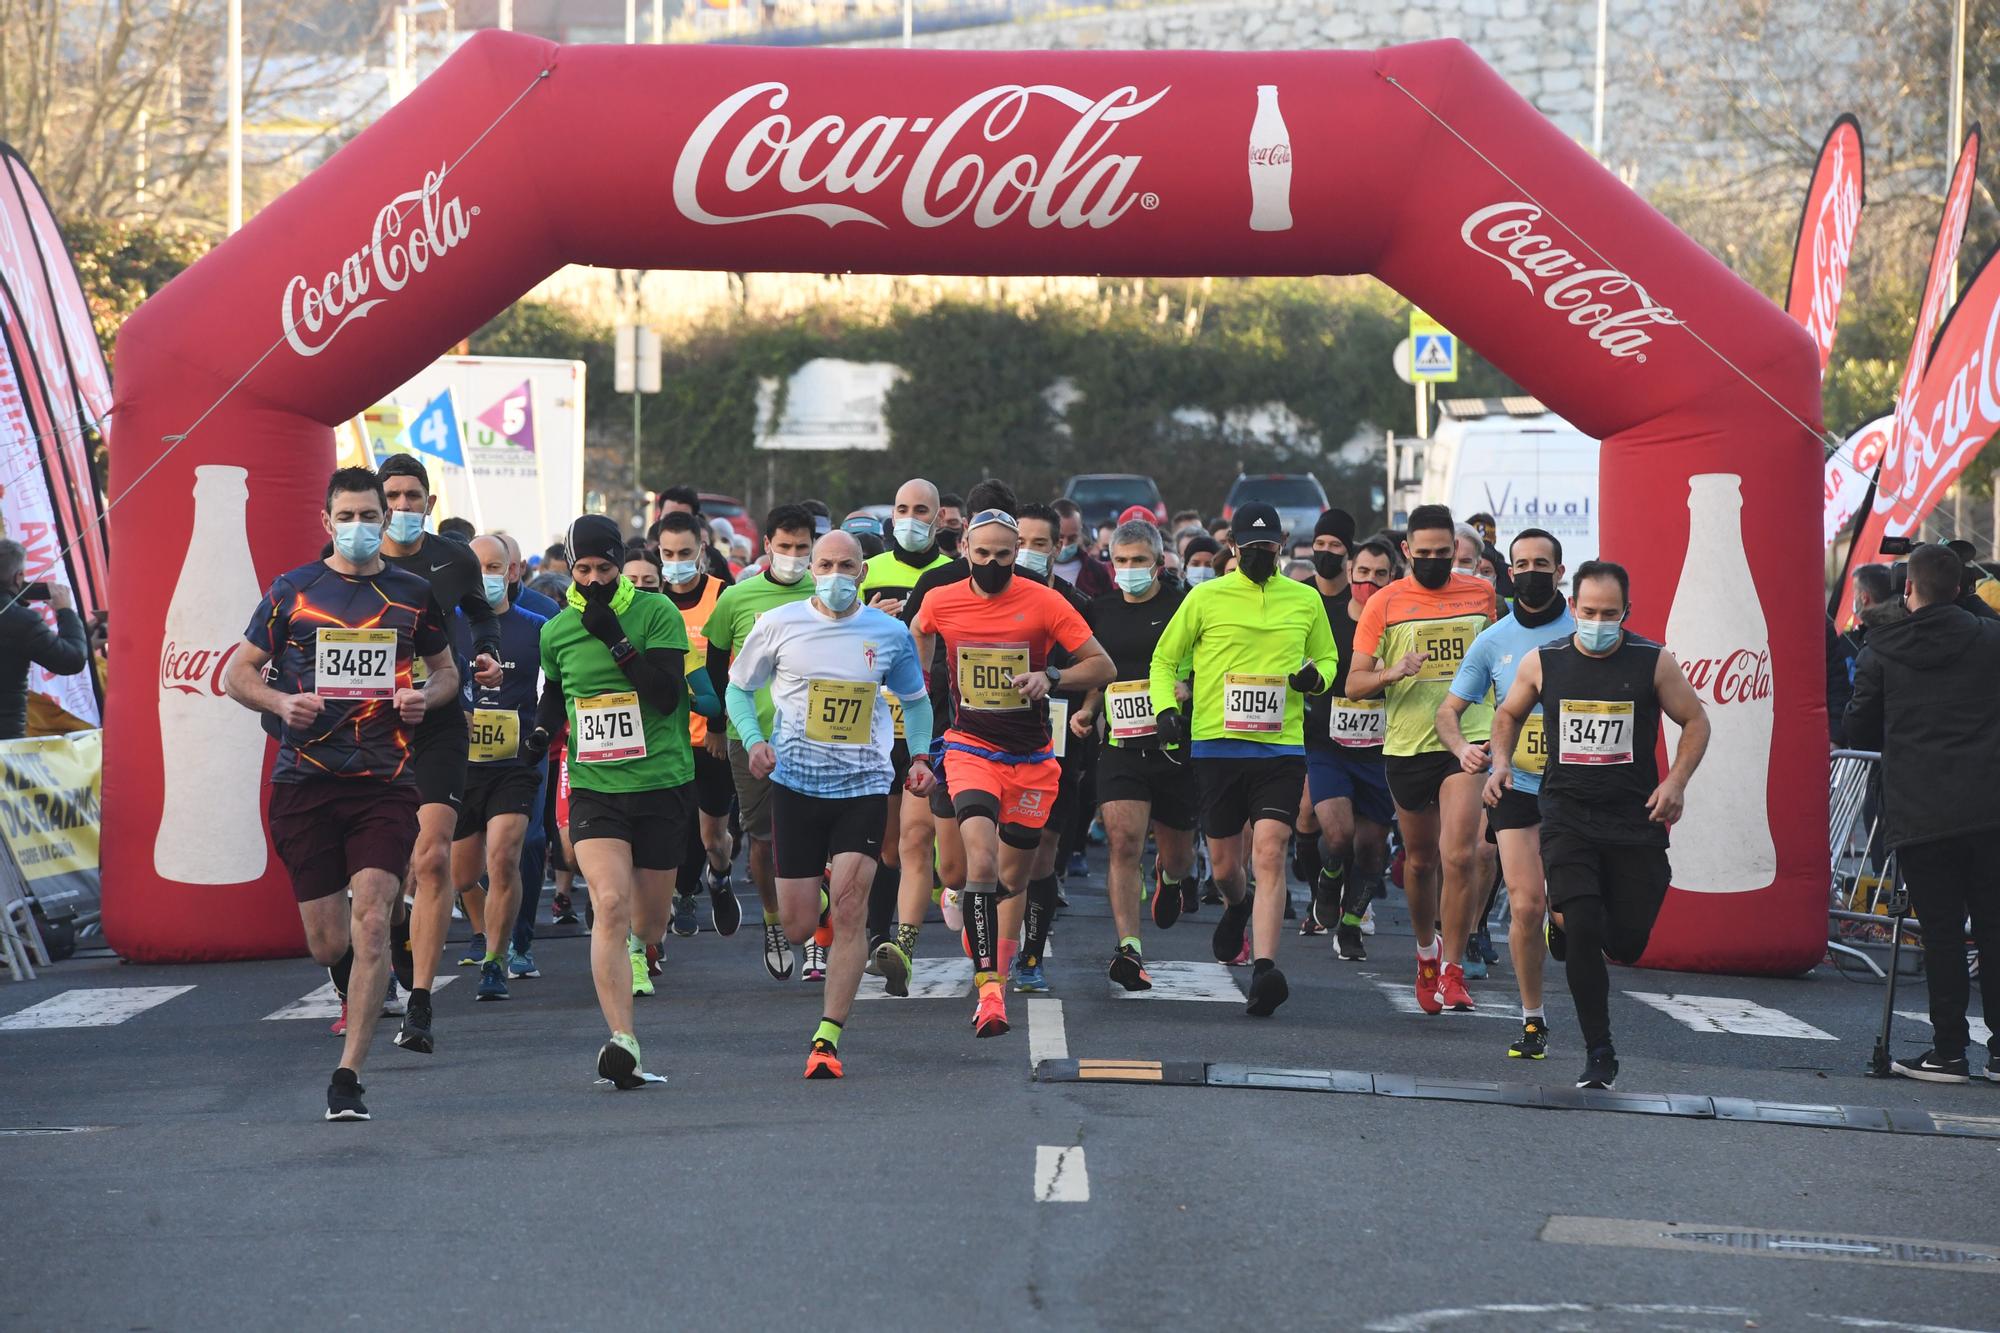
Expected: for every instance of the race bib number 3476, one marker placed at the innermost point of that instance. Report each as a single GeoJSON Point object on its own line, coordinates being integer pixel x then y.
{"type": "Point", "coordinates": [608, 728]}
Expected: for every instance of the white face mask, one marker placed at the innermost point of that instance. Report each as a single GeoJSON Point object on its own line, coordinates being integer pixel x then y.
{"type": "Point", "coordinates": [1200, 574]}
{"type": "Point", "coordinates": [787, 568]}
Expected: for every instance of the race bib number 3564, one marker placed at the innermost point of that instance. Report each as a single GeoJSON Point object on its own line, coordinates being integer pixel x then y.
{"type": "Point", "coordinates": [1595, 732]}
{"type": "Point", "coordinates": [1253, 704]}
{"type": "Point", "coordinates": [608, 728]}
{"type": "Point", "coordinates": [496, 735]}
{"type": "Point", "coordinates": [355, 664]}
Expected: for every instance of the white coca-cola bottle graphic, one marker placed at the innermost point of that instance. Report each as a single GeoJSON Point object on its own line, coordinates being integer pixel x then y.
{"type": "Point", "coordinates": [1270, 165]}
{"type": "Point", "coordinates": [211, 747]}
{"type": "Point", "coordinates": [1716, 629]}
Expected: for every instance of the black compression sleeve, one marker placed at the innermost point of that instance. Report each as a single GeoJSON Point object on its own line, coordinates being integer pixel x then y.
{"type": "Point", "coordinates": [659, 676]}
{"type": "Point", "coordinates": [550, 712]}
{"type": "Point", "coordinates": [718, 668]}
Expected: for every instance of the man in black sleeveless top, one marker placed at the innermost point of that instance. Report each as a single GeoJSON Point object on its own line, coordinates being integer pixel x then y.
{"type": "Point", "coordinates": [1605, 808]}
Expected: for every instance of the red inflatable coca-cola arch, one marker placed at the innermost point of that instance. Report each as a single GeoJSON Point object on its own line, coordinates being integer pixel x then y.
{"type": "Point", "coordinates": [519, 156]}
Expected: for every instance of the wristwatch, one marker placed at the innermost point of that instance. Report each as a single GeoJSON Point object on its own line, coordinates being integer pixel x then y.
{"type": "Point", "coordinates": [623, 652]}
{"type": "Point", "coordinates": [1054, 673]}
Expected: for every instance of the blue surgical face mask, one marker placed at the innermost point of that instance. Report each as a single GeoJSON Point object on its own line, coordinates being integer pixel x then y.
{"type": "Point", "coordinates": [1598, 636]}
{"type": "Point", "coordinates": [836, 591]}
{"type": "Point", "coordinates": [495, 588]}
{"type": "Point", "coordinates": [1035, 564]}
{"type": "Point", "coordinates": [913, 534]}
{"type": "Point", "coordinates": [1068, 553]}
{"type": "Point", "coordinates": [677, 572]}
{"type": "Point", "coordinates": [357, 541]}
{"type": "Point", "coordinates": [1200, 574]}
{"type": "Point", "coordinates": [1134, 581]}
{"type": "Point", "coordinates": [405, 526]}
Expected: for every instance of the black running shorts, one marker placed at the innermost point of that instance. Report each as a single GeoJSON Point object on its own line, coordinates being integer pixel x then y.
{"type": "Point", "coordinates": [807, 832]}
{"type": "Point", "coordinates": [1129, 773]}
{"type": "Point", "coordinates": [1576, 866]}
{"type": "Point", "coordinates": [654, 823]}
{"type": "Point", "coordinates": [1416, 779]}
{"type": "Point", "coordinates": [1235, 791]}
{"type": "Point", "coordinates": [492, 790]}
{"type": "Point", "coordinates": [438, 755]}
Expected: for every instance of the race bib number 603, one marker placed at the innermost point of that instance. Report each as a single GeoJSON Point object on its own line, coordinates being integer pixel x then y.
{"type": "Point", "coordinates": [986, 677]}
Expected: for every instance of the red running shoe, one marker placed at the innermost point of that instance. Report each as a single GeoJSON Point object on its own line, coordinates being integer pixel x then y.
{"type": "Point", "coordinates": [824, 1061]}
{"type": "Point", "coordinates": [990, 1019]}
{"type": "Point", "coordinates": [339, 1028]}
{"type": "Point", "coordinates": [1427, 986]}
{"type": "Point", "coordinates": [1451, 989]}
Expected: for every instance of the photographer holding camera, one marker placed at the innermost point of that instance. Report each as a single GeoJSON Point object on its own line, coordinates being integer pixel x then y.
{"type": "Point", "coordinates": [1927, 695]}
{"type": "Point", "coordinates": [25, 637]}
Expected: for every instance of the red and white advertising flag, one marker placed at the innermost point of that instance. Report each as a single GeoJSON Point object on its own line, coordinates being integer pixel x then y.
{"type": "Point", "coordinates": [1826, 236]}
{"type": "Point", "coordinates": [1849, 470]}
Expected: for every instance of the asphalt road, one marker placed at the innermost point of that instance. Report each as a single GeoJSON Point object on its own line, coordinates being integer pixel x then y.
{"type": "Point", "coordinates": [939, 1184]}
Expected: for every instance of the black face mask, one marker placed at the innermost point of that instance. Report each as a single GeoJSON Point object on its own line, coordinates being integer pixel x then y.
{"type": "Point", "coordinates": [598, 592]}
{"type": "Point", "coordinates": [1433, 571]}
{"type": "Point", "coordinates": [947, 540]}
{"type": "Point", "coordinates": [1329, 565]}
{"type": "Point", "coordinates": [992, 577]}
{"type": "Point", "coordinates": [1258, 563]}
{"type": "Point", "coordinates": [1535, 588]}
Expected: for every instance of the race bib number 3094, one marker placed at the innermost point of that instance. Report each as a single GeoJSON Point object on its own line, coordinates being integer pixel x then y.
{"type": "Point", "coordinates": [1253, 704]}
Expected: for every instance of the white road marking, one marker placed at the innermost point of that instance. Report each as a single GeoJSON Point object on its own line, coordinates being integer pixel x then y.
{"type": "Point", "coordinates": [1212, 982]}
{"type": "Point", "coordinates": [1047, 1039]}
{"type": "Point", "coordinates": [1060, 1175]}
{"type": "Point", "coordinates": [324, 1003]}
{"type": "Point", "coordinates": [1721, 1013]}
{"type": "Point", "coordinates": [1981, 1034]}
{"type": "Point", "coordinates": [95, 1007]}
{"type": "Point", "coordinates": [930, 979]}
{"type": "Point", "coordinates": [1403, 995]}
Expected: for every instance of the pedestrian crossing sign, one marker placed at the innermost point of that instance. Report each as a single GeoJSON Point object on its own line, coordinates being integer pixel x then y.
{"type": "Point", "coordinates": [1433, 350]}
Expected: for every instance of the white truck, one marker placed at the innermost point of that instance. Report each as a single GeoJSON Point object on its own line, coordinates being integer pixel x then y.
{"type": "Point", "coordinates": [1514, 459]}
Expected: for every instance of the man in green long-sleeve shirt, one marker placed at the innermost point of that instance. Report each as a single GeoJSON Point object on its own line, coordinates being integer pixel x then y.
{"type": "Point", "coordinates": [1258, 643]}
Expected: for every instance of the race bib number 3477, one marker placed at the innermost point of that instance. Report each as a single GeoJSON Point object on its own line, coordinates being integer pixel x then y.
{"type": "Point", "coordinates": [1595, 732]}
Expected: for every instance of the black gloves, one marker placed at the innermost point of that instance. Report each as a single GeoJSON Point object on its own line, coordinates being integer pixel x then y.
{"type": "Point", "coordinates": [537, 745]}
{"type": "Point", "coordinates": [601, 622]}
{"type": "Point", "coordinates": [1307, 680]}
{"type": "Point", "coordinates": [1171, 727]}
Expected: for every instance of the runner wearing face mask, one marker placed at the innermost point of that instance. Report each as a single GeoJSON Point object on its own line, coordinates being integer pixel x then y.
{"type": "Point", "coordinates": [1198, 559]}
{"type": "Point", "coordinates": [1344, 778]}
{"type": "Point", "coordinates": [1407, 648]}
{"type": "Point", "coordinates": [950, 523]}
{"type": "Point", "coordinates": [1256, 643]}
{"type": "Point", "coordinates": [1605, 808]}
{"type": "Point", "coordinates": [788, 541]}
{"type": "Point", "coordinates": [1540, 616]}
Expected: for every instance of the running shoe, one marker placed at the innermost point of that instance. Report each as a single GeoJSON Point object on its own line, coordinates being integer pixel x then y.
{"type": "Point", "coordinates": [1211, 892]}
{"type": "Point", "coordinates": [1368, 919]}
{"type": "Point", "coordinates": [492, 981]}
{"type": "Point", "coordinates": [1931, 1067]}
{"type": "Point", "coordinates": [475, 952]}
{"type": "Point", "coordinates": [777, 952]}
{"type": "Point", "coordinates": [1534, 1042]}
{"type": "Point", "coordinates": [1267, 991]}
{"type": "Point", "coordinates": [1347, 944]}
{"type": "Point", "coordinates": [1167, 902]}
{"type": "Point", "coordinates": [1079, 868]}
{"type": "Point", "coordinates": [1396, 870]}
{"type": "Point", "coordinates": [1309, 923]}
{"type": "Point", "coordinates": [521, 963]}
{"type": "Point", "coordinates": [618, 1060]}
{"type": "Point", "coordinates": [1242, 958]}
{"type": "Point", "coordinates": [1483, 941]}
{"type": "Point", "coordinates": [684, 923]}
{"type": "Point", "coordinates": [1451, 989]}
{"type": "Point", "coordinates": [1993, 1066]}
{"type": "Point", "coordinates": [1190, 896]}
{"type": "Point", "coordinates": [1098, 837]}
{"type": "Point", "coordinates": [1028, 978]}
{"type": "Point", "coordinates": [724, 912]}
{"type": "Point", "coordinates": [824, 1060]}
{"type": "Point", "coordinates": [343, 1096]}
{"type": "Point", "coordinates": [894, 967]}
{"type": "Point", "coordinates": [402, 963]}
{"type": "Point", "coordinates": [562, 911]}
{"type": "Point", "coordinates": [869, 967]}
{"type": "Point", "coordinates": [642, 979]}
{"type": "Point", "coordinates": [1474, 965]}
{"type": "Point", "coordinates": [653, 967]}
{"type": "Point", "coordinates": [954, 916]}
{"type": "Point", "coordinates": [339, 1028]}
{"type": "Point", "coordinates": [815, 968]}
{"type": "Point", "coordinates": [990, 1018]}
{"type": "Point", "coordinates": [1228, 940]}
{"type": "Point", "coordinates": [415, 1034]}
{"type": "Point", "coordinates": [1601, 1069]}
{"type": "Point", "coordinates": [1558, 941]}
{"type": "Point", "coordinates": [392, 1001]}
{"type": "Point", "coordinates": [1427, 985]}
{"type": "Point", "coordinates": [1128, 969]}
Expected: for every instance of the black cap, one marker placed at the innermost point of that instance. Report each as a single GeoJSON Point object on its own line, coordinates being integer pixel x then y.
{"type": "Point", "coordinates": [1256, 522]}
{"type": "Point", "coordinates": [1336, 523]}
{"type": "Point", "coordinates": [595, 535]}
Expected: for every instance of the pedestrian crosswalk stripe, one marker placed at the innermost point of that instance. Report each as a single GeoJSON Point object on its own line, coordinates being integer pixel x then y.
{"type": "Point", "coordinates": [325, 1002]}
{"type": "Point", "coordinates": [930, 979]}
{"type": "Point", "coordinates": [1720, 1013]}
{"type": "Point", "coordinates": [1212, 982]}
{"type": "Point", "coordinates": [1981, 1034]}
{"type": "Point", "coordinates": [1403, 995]}
{"type": "Point", "coordinates": [93, 1007]}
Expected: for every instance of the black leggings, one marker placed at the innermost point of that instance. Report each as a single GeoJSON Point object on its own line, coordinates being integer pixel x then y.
{"type": "Point", "coordinates": [1948, 880]}
{"type": "Point", "coordinates": [1609, 895]}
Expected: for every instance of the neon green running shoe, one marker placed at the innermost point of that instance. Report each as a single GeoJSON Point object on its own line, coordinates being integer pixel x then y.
{"type": "Point", "coordinates": [894, 965]}
{"type": "Point", "coordinates": [642, 984]}
{"type": "Point", "coordinates": [618, 1061]}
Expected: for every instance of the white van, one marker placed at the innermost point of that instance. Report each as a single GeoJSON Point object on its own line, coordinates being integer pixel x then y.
{"type": "Point", "coordinates": [1514, 459]}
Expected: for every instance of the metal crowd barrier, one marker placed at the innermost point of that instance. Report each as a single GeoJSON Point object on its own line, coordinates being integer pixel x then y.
{"type": "Point", "coordinates": [1864, 887]}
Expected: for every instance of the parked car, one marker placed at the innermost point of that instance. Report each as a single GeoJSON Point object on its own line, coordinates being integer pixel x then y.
{"type": "Point", "coordinates": [731, 508]}
{"type": "Point", "coordinates": [1297, 496]}
{"type": "Point", "coordinates": [1103, 496]}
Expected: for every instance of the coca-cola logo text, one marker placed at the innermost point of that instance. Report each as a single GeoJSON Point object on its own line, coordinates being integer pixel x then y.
{"type": "Point", "coordinates": [1930, 450]}
{"type": "Point", "coordinates": [1273, 155]}
{"type": "Point", "coordinates": [1609, 305]}
{"type": "Point", "coordinates": [1079, 186]}
{"type": "Point", "coordinates": [194, 670]}
{"type": "Point", "coordinates": [1741, 677]}
{"type": "Point", "coordinates": [399, 248]}
{"type": "Point", "coordinates": [1832, 245]}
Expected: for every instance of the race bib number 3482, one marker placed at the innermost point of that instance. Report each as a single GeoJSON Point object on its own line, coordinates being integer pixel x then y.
{"type": "Point", "coordinates": [355, 664]}
{"type": "Point", "coordinates": [608, 728]}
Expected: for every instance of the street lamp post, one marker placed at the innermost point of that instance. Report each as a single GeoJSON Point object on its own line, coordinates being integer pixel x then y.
{"type": "Point", "coordinates": [235, 79]}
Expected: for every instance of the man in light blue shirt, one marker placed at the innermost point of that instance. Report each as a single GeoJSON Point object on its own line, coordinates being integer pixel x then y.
{"type": "Point", "coordinates": [832, 666]}
{"type": "Point", "coordinates": [1540, 616]}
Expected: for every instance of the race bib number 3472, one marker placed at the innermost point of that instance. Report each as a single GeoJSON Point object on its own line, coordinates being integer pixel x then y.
{"type": "Point", "coordinates": [608, 728]}
{"type": "Point", "coordinates": [1595, 732]}
{"type": "Point", "coordinates": [355, 664]}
